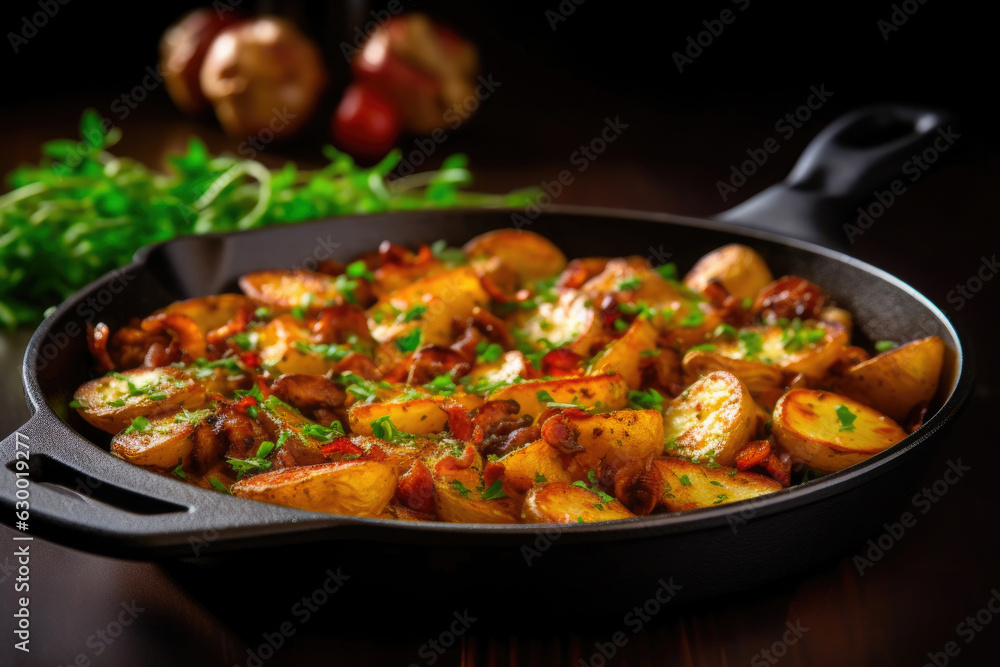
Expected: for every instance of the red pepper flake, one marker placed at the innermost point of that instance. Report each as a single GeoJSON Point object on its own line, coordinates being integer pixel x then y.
{"type": "Point", "coordinates": [341, 446]}
{"type": "Point", "coordinates": [244, 403]}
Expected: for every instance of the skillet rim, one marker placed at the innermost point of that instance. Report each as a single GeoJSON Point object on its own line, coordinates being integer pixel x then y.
{"type": "Point", "coordinates": [303, 522]}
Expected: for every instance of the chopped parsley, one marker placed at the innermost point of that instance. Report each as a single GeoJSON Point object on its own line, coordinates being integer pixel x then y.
{"type": "Point", "coordinates": [247, 340]}
{"type": "Point", "coordinates": [409, 342]}
{"type": "Point", "coordinates": [667, 271]}
{"type": "Point", "coordinates": [219, 486]}
{"type": "Point", "coordinates": [359, 269]}
{"type": "Point", "coordinates": [461, 488]}
{"type": "Point", "coordinates": [446, 254]}
{"type": "Point", "coordinates": [318, 432]}
{"type": "Point", "coordinates": [179, 470]}
{"type": "Point", "coordinates": [885, 345]}
{"type": "Point", "coordinates": [345, 287]}
{"type": "Point", "coordinates": [649, 353]}
{"type": "Point", "coordinates": [719, 498]}
{"type": "Point", "coordinates": [540, 478]}
{"type": "Point", "coordinates": [257, 462]}
{"type": "Point", "coordinates": [495, 491]}
{"type": "Point", "coordinates": [640, 309]}
{"type": "Point", "coordinates": [684, 480]}
{"type": "Point", "coordinates": [630, 284]}
{"type": "Point", "coordinates": [753, 344]}
{"type": "Point", "coordinates": [645, 400]}
{"type": "Point", "coordinates": [724, 329]}
{"type": "Point", "coordinates": [414, 312]}
{"type": "Point", "coordinates": [845, 417]}
{"type": "Point", "coordinates": [139, 425]}
{"type": "Point", "coordinates": [488, 352]}
{"type": "Point", "coordinates": [695, 319]}
{"type": "Point", "coordinates": [384, 429]}
{"type": "Point", "coordinates": [299, 311]}
{"type": "Point", "coordinates": [77, 404]}
{"type": "Point", "coordinates": [544, 397]}
{"type": "Point", "coordinates": [442, 385]}
{"type": "Point", "coordinates": [331, 351]}
{"type": "Point", "coordinates": [704, 347]}
{"type": "Point", "coordinates": [620, 325]}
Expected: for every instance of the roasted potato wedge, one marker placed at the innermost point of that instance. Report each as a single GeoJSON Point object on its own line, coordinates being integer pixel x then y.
{"type": "Point", "coordinates": [162, 444]}
{"type": "Point", "coordinates": [537, 462]}
{"type": "Point", "coordinates": [688, 485]}
{"type": "Point", "coordinates": [210, 312]}
{"type": "Point", "coordinates": [811, 351]}
{"type": "Point", "coordinates": [813, 426]}
{"type": "Point", "coordinates": [605, 392]}
{"type": "Point", "coordinates": [757, 377]}
{"type": "Point", "coordinates": [421, 416]}
{"type": "Point", "coordinates": [352, 488]}
{"type": "Point", "coordinates": [558, 502]}
{"type": "Point", "coordinates": [896, 381]}
{"type": "Point", "coordinates": [739, 268]}
{"type": "Point", "coordinates": [528, 254]}
{"type": "Point", "coordinates": [624, 355]}
{"type": "Point", "coordinates": [571, 321]}
{"type": "Point", "coordinates": [614, 438]}
{"type": "Point", "coordinates": [458, 497]}
{"type": "Point", "coordinates": [429, 305]}
{"type": "Point", "coordinates": [283, 290]}
{"type": "Point", "coordinates": [714, 417]}
{"type": "Point", "coordinates": [111, 402]}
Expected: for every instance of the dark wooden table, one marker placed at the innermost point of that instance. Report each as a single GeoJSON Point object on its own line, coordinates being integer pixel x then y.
{"type": "Point", "coordinates": [906, 608]}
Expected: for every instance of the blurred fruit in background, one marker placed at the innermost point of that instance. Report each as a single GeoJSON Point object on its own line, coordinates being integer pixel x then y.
{"type": "Point", "coordinates": [262, 74]}
{"type": "Point", "coordinates": [264, 77]}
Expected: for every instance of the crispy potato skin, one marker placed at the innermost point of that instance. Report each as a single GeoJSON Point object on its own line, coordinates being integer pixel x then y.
{"type": "Point", "coordinates": [807, 425]}
{"type": "Point", "coordinates": [624, 355]}
{"type": "Point", "coordinates": [421, 416]}
{"type": "Point", "coordinates": [615, 438]}
{"type": "Point", "coordinates": [162, 445]}
{"type": "Point", "coordinates": [757, 377]}
{"type": "Point", "coordinates": [177, 389]}
{"type": "Point", "coordinates": [558, 502]}
{"type": "Point", "coordinates": [528, 254]}
{"type": "Point", "coordinates": [458, 499]}
{"type": "Point", "coordinates": [716, 413]}
{"type": "Point", "coordinates": [896, 381]}
{"type": "Point", "coordinates": [610, 390]}
{"type": "Point", "coordinates": [739, 268]}
{"type": "Point", "coordinates": [353, 488]}
{"type": "Point", "coordinates": [534, 461]}
{"type": "Point", "coordinates": [688, 485]}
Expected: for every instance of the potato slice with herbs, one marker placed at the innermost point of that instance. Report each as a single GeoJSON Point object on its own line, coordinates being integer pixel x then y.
{"type": "Point", "coordinates": [558, 502]}
{"type": "Point", "coordinates": [896, 381]}
{"type": "Point", "coordinates": [800, 347]}
{"type": "Point", "coordinates": [461, 497]}
{"type": "Point", "coordinates": [570, 322]}
{"type": "Point", "coordinates": [624, 355]}
{"type": "Point", "coordinates": [713, 418]}
{"type": "Point", "coordinates": [604, 392]}
{"type": "Point", "coordinates": [687, 485]}
{"type": "Point", "coordinates": [112, 401]}
{"type": "Point", "coordinates": [530, 255]}
{"type": "Point", "coordinates": [830, 432]}
{"type": "Point", "coordinates": [421, 415]}
{"type": "Point", "coordinates": [159, 443]}
{"type": "Point", "coordinates": [422, 312]}
{"type": "Point", "coordinates": [284, 290]}
{"type": "Point", "coordinates": [739, 268]}
{"type": "Point", "coordinates": [352, 488]}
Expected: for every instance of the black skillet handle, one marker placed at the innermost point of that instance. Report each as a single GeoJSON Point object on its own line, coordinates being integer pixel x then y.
{"type": "Point", "coordinates": [848, 164]}
{"type": "Point", "coordinates": [43, 495]}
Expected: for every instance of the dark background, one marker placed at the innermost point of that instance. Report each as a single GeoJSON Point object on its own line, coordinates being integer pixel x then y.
{"type": "Point", "coordinates": [685, 130]}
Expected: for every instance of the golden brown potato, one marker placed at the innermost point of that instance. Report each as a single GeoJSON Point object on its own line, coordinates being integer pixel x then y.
{"type": "Point", "coordinates": [773, 345]}
{"type": "Point", "coordinates": [420, 416]}
{"type": "Point", "coordinates": [537, 462]}
{"type": "Point", "coordinates": [757, 377]}
{"type": "Point", "coordinates": [896, 381]}
{"type": "Point", "coordinates": [830, 432]}
{"type": "Point", "coordinates": [714, 417]}
{"type": "Point", "coordinates": [688, 485]}
{"type": "Point", "coordinates": [283, 290]}
{"type": "Point", "coordinates": [528, 254]}
{"type": "Point", "coordinates": [458, 497]}
{"type": "Point", "coordinates": [352, 488]}
{"type": "Point", "coordinates": [111, 402]}
{"type": "Point", "coordinates": [571, 321]}
{"type": "Point", "coordinates": [738, 267]}
{"type": "Point", "coordinates": [280, 341]}
{"type": "Point", "coordinates": [624, 355]}
{"type": "Point", "coordinates": [210, 312]}
{"type": "Point", "coordinates": [614, 439]}
{"type": "Point", "coordinates": [605, 392]}
{"type": "Point", "coordinates": [430, 304]}
{"type": "Point", "coordinates": [558, 502]}
{"type": "Point", "coordinates": [162, 443]}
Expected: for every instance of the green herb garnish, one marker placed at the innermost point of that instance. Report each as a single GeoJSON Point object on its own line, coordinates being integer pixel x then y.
{"type": "Point", "coordinates": [845, 417]}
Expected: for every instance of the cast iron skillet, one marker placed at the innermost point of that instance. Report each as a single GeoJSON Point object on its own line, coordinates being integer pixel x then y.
{"type": "Point", "coordinates": [83, 497]}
